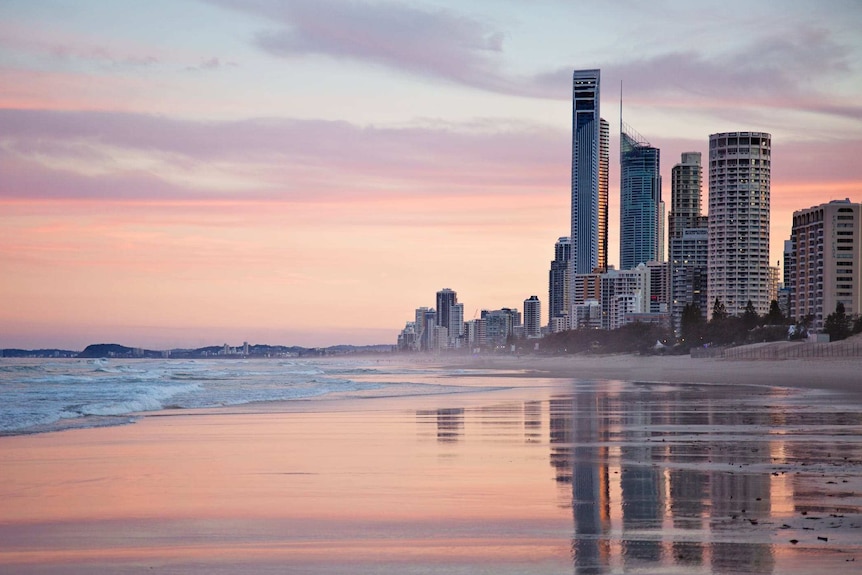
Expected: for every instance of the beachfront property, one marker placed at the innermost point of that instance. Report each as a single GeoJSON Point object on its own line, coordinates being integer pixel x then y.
{"type": "Point", "coordinates": [739, 186]}
{"type": "Point", "coordinates": [500, 324]}
{"type": "Point", "coordinates": [687, 237]}
{"type": "Point", "coordinates": [723, 256]}
{"type": "Point", "coordinates": [446, 298]}
{"type": "Point", "coordinates": [688, 260]}
{"type": "Point", "coordinates": [640, 199]}
{"type": "Point", "coordinates": [532, 317]}
{"type": "Point", "coordinates": [586, 146]}
{"type": "Point", "coordinates": [558, 283]}
{"type": "Point", "coordinates": [604, 182]}
{"type": "Point", "coordinates": [825, 261]}
{"type": "Point", "coordinates": [494, 328]}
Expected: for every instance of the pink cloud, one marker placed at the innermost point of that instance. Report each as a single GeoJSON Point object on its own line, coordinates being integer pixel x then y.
{"type": "Point", "coordinates": [296, 159]}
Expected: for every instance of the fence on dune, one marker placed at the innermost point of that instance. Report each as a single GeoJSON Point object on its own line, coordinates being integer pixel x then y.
{"type": "Point", "coordinates": [784, 350]}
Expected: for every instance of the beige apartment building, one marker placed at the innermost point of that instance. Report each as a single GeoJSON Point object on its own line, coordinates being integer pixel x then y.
{"type": "Point", "coordinates": [825, 265]}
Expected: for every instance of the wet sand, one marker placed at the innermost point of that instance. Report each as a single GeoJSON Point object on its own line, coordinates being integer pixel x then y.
{"type": "Point", "coordinates": [513, 474]}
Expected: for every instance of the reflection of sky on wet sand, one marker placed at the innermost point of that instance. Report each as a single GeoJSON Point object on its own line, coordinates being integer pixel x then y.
{"type": "Point", "coordinates": [601, 477]}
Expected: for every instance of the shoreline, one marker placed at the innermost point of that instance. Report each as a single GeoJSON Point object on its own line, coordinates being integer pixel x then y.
{"type": "Point", "coordinates": [841, 375]}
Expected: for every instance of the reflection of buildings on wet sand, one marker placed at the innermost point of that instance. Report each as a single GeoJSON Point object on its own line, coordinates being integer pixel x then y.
{"type": "Point", "coordinates": [450, 422]}
{"type": "Point", "coordinates": [739, 498]}
{"type": "Point", "coordinates": [647, 488]}
{"type": "Point", "coordinates": [666, 478]}
{"type": "Point", "coordinates": [576, 435]}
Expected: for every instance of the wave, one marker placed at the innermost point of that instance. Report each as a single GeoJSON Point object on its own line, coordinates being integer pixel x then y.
{"type": "Point", "coordinates": [35, 395]}
{"type": "Point", "coordinates": [146, 399]}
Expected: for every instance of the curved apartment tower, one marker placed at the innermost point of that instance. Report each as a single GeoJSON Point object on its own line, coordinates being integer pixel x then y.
{"type": "Point", "coordinates": [738, 259]}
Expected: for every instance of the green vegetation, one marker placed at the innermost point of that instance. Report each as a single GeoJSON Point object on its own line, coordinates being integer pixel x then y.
{"type": "Point", "coordinates": [839, 325]}
{"type": "Point", "coordinates": [721, 330]}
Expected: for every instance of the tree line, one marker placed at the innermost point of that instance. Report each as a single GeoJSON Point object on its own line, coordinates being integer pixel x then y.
{"type": "Point", "coordinates": [722, 329]}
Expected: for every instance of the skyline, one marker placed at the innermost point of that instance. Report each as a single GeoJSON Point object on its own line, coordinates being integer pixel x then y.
{"type": "Point", "coordinates": [308, 173]}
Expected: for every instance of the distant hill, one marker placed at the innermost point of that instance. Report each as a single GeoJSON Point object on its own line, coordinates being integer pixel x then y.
{"type": "Point", "coordinates": [116, 350]}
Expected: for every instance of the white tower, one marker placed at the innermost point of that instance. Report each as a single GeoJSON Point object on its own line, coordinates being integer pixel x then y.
{"type": "Point", "coordinates": [738, 261]}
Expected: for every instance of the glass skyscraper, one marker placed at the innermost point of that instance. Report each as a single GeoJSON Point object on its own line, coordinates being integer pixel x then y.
{"type": "Point", "coordinates": [586, 146]}
{"type": "Point", "coordinates": [640, 200]}
{"type": "Point", "coordinates": [558, 302]}
{"type": "Point", "coordinates": [604, 161]}
{"type": "Point", "coordinates": [446, 299]}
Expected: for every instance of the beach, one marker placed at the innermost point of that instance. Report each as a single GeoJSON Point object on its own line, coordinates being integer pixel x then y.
{"type": "Point", "coordinates": [842, 375]}
{"type": "Point", "coordinates": [495, 465]}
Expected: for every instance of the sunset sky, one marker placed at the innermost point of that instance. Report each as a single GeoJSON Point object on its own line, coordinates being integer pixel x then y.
{"type": "Point", "coordinates": [308, 172]}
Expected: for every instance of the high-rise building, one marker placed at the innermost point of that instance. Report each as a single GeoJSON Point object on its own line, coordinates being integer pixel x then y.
{"type": "Point", "coordinates": [424, 326]}
{"type": "Point", "coordinates": [788, 262]}
{"type": "Point", "coordinates": [659, 274]}
{"type": "Point", "coordinates": [604, 165]}
{"type": "Point", "coordinates": [500, 324]}
{"type": "Point", "coordinates": [624, 292]}
{"type": "Point", "coordinates": [532, 317]}
{"type": "Point", "coordinates": [739, 185]}
{"type": "Point", "coordinates": [688, 260]}
{"type": "Point", "coordinates": [586, 287]}
{"type": "Point", "coordinates": [640, 199]}
{"type": "Point", "coordinates": [407, 338]}
{"type": "Point", "coordinates": [456, 325]}
{"type": "Point", "coordinates": [662, 230]}
{"type": "Point", "coordinates": [446, 298]}
{"type": "Point", "coordinates": [558, 280]}
{"type": "Point", "coordinates": [686, 185]}
{"type": "Point", "coordinates": [688, 238]}
{"type": "Point", "coordinates": [474, 332]}
{"type": "Point", "coordinates": [826, 256]}
{"type": "Point", "coordinates": [586, 147]}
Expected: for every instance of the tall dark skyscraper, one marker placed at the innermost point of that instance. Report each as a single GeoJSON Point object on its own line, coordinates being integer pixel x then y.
{"type": "Point", "coordinates": [640, 200]}
{"type": "Point", "coordinates": [586, 146]}
{"type": "Point", "coordinates": [688, 238]}
{"type": "Point", "coordinates": [557, 284]}
{"type": "Point", "coordinates": [686, 190]}
{"type": "Point", "coordinates": [446, 300]}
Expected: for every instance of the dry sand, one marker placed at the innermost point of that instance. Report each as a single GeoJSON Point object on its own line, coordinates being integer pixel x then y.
{"type": "Point", "coordinates": [842, 375]}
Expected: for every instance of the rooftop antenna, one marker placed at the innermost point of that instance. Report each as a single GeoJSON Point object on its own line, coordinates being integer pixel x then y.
{"type": "Point", "coordinates": [621, 105]}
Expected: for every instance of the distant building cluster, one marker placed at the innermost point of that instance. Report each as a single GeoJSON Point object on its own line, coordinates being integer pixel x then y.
{"type": "Point", "coordinates": [444, 327]}
{"type": "Point", "coordinates": [720, 257]}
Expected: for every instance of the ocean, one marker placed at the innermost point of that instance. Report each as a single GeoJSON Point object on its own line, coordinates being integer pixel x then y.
{"type": "Point", "coordinates": [40, 395]}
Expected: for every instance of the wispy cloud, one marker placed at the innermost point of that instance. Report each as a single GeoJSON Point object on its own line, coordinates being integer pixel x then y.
{"type": "Point", "coordinates": [110, 155]}
{"type": "Point", "coordinates": [774, 71]}
{"type": "Point", "coordinates": [430, 42]}
{"type": "Point", "coordinates": [777, 68]}
{"type": "Point", "coordinates": [66, 47]}
{"type": "Point", "coordinates": [214, 63]}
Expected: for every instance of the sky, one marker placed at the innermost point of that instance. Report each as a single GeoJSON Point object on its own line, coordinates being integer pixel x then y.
{"type": "Point", "coordinates": [308, 172]}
